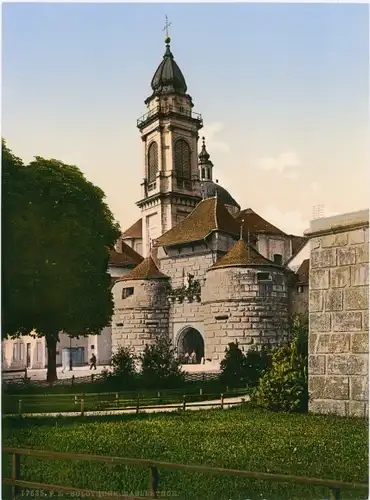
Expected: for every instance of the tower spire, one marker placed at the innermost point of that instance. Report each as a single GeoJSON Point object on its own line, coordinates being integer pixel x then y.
{"type": "Point", "coordinates": [241, 229]}
{"type": "Point", "coordinates": [167, 38]}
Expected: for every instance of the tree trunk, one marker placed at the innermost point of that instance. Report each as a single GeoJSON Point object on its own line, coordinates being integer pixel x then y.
{"type": "Point", "coordinates": [51, 344]}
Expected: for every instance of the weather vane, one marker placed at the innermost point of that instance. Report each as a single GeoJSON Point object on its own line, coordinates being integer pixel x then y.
{"type": "Point", "coordinates": [166, 26]}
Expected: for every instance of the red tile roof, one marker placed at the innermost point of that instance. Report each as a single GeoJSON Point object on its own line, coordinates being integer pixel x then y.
{"type": "Point", "coordinates": [127, 258]}
{"type": "Point", "coordinates": [242, 255]}
{"type": "Point", "coordinates": [134, 231]}
{"type": "Point", "coordinates": [256, 224]}
{"type": "Point", "coordinates": [208, 216]}
{"type": "Point", "coordinates": [147, 270]}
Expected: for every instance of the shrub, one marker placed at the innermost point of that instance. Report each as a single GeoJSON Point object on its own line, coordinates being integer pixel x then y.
{"type": "Point", "coordinates": [257, 361]}
{"type": "Point", "coordinates": [284, 386]}
{"type": "Point", "coordinates": [123, 369]}
{"type": "Point", "coordinates": [233, 366]}
{"type": "Point", "coordinates": [160, 367]}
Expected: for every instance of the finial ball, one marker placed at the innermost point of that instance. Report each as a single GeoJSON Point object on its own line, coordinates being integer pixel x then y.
{"type": "Point", "coordinates": [167, 40]}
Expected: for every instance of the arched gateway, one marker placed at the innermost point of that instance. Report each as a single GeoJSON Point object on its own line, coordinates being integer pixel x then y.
{"type": "Point", "coordinates": [190, 340]}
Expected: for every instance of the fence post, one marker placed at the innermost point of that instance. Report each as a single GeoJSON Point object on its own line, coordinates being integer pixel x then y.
{"type": "Point", "coordinates": [20, 407]}
{"type": "Point", "coordinates": [117, 399]}
{"type": "Point", "coordinates": [153, 481]}
{"type": "Point", "coordinates": [184, 403]}
{"type": "Point", "coordinates": [82, 407]}
{"type": "Point", "coordinates": [16, 474]}
{"type": "Point", "coordinates": [137, 404]}
{"type": "Point", "coordinates": [335, 493]}
{"type": "Point", "coordinates": [73, 380]}
{"type": "Point", "coordinates": [76, 400]}
{"type": "Point", "coordinates": [203, 376]}
{"type": "Point", "coordinates": [25, 374]}
{"type": "Point", "coordinates": [222, 401]}
{"type": "Point", "coordinates": [200, 391]}
{"type": "Point", "coordinates": [159, 394]}
{"type": "Point", "coordinates": [92, 377]}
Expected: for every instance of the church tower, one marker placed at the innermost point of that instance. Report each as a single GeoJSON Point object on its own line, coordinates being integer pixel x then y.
{"type": "Point", "coordinates": [169, 131]}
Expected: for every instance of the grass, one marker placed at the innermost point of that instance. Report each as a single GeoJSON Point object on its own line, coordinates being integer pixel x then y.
{"type": "Point", "coordinates": [326, 447]}
{"type": "Point", "coordinates": [57, 403]}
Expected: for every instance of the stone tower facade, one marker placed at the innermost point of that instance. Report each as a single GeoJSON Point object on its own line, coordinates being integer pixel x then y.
{"type": "Point", "coordinates": [169, 131]}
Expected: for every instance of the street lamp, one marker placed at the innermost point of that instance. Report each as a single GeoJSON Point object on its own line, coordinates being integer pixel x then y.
{"type": "Point", "coordinates": [70, 354]}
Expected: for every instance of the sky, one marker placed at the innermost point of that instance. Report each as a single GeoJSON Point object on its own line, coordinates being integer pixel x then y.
{"type": "Point", "coordinates": [283, 90]}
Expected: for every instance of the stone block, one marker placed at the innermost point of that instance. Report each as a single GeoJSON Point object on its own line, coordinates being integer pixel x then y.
{"type": "Point", "coordinates": [319, 279]}
{"type": "Point", "coordinates": [323, 258]}
{"type": "Point", "coordinates": [319, 322]}
{"type": "Point", "coordinates": [330, 343]}
{"type": "Point", "coordinates": [346, 256]}
{"type": "Point", "coordinates": [328, 406]}
{"type": "Point", "coordinates": [312, 339]}
{"type": "Point", "coordinates": [347, 321]}
{"type": "Point", "coordinates": [340, 277]}
{"type": "Point", "coordinates": [366, 320]}
{"type": "Point", "coordinates": [360, 343]}
{"type": "Point", "coordinates": [316, 301]}
{"type": "Point", "coordinates": [316, 364]}
{"type": "Point", "coordinates": [360, 275]}
{"type": "Point", "coordinates": [362, 253]}
{"type": "Point", "coordinates": [323, 387]}
{"type": "Point", "coordinates": [359, 388]}
{"type": "Point", "coordinates": [356, 298]}
{"type": "Point", "coordinates": [333, 300]}
{"type": "Point", "coordinates": [334, 240]}
{"type": "Point", "coordinates": [315, 243]}
{"type": "Point", "coordinates": [356, 409]}
{"type": "Point", "coordinates": [356, 236]}
{"type": "Point", "coordinates": [347, 364]}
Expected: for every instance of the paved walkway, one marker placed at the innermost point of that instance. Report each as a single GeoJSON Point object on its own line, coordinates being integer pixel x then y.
{"type": "Point", "coordinates": [198, 405]}
{"type": "Point", "coordinates": [84, 371]}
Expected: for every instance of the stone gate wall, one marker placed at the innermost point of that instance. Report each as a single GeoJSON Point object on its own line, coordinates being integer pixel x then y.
{"type": "Point", "coordinates": [339, 314]}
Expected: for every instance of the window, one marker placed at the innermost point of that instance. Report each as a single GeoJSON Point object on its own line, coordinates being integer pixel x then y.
{"type": "Point", "coordinates": [152, 161]}
{"type": "Point", "coordinates": [15, 352]}
{"type": "Point", "coordinates": [39, 352]}
{"type": "Point", "coordinates": [127, 292]}
{"type": "Point", "coordinates": [21, 352]}
{"type": "Point", "coordinates": [278, 259]}
{"type": "Point", "coordinates": [263, 277]}
{"type": "Point", "coordinates": [182, 159]}
{"type": "Point", "coordinates": [203, 173]}
{"type": "Point", "coordinates": [300, 289]}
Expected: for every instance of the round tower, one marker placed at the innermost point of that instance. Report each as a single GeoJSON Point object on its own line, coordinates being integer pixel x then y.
{"type": "Point", "coordinates": [141, 307]}
{"type": "Point", "coordinates": [245, 299]}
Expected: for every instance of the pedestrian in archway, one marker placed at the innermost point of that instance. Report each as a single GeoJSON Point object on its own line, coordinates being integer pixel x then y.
{"type": "Point", "coordinates": [193, 357]}
{"type": "Point", "coordinates": [186, 357]}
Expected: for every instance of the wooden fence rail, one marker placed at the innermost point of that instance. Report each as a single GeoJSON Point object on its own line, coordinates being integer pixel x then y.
{"type": "Point", "coordinates": [153, 477]}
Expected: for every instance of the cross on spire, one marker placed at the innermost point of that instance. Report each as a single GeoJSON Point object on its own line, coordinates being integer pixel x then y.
{"type": "Point", "coordinates": [166, 26]}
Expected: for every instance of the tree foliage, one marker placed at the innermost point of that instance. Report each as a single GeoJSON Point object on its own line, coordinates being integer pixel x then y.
{"type": "Point", "coordinates": [284, 387]}
{"type": "Point", "coordinates": [57, 231]}
{"type": "Point", "coordinates": [123, 364]}
{"type": "Point", "coordinates": [160, 366]}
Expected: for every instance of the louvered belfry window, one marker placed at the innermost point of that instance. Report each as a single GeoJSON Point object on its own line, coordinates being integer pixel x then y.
{"type": "Point", "coordinates": [152, 161]}
{"type": "Point", "coordinates": [182, 159]}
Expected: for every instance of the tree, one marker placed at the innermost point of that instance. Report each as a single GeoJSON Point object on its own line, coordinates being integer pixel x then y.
{"type": "Point", "coordinates": [57, 232]}
{"type": "Point", "coordinates": [233, 366]}
{"type": "Point", "coordinates": [123, 363]}
{"type": "Point", "coordinates": [160, 367]}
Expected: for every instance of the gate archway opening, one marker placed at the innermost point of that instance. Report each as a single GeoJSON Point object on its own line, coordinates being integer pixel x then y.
{"type": "Point", "coordinates": [190, 340]}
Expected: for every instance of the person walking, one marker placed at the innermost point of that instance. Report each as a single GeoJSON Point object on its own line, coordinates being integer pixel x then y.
{"type": "Point", "coordinates": [93, 361]}
{"type": "Point", "coordinates": [193, 357]}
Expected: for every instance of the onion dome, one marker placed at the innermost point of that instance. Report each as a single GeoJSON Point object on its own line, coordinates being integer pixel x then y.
{"type": "Point", "coordinates": [203, 155]}
{"type": "Point", "coordinates": [211, 189]}
{"type": "Point", "coordinates": [168, 77]}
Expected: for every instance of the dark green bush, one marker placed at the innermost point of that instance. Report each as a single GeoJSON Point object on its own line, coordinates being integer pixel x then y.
{"type": "Point", "coordinates": [123, 375]}
{"type": "Point", "coordinates": [160, 367]}
{"type": "Point", "coordinates": [284, 386]}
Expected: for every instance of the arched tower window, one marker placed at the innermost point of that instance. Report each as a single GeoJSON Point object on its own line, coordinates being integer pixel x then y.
{"type": "Point", "coordinates": [182, 157]}
{"type": "Point", "coordinates": [152, 161]}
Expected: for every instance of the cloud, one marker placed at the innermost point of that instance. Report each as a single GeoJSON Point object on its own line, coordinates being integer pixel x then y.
{"type": "Point", "coordinates": [210, 132]}
{"type": "Point", "coordinates": [292, 222]}
{"type": "Point", "coordinates": [286, 164]}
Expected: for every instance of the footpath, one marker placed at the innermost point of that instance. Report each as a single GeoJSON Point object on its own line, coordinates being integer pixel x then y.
{"type": "Point", "coordinates": [198, 405]}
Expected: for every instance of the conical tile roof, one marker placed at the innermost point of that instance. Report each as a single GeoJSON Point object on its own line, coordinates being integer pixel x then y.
{"type": "Point", "coordinates": [147, 270]}
{"type": "Point", "coordinates": [242, 255]}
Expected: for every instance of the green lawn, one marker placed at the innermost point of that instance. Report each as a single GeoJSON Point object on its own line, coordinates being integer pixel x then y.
{"type": "Point", "coordinates": [326, 447]}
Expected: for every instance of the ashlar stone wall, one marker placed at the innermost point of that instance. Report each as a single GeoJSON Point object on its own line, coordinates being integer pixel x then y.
{"type": "Point", "coordinates": [339, 314]}
{"type": "Point", "coordinates": [238, 308]}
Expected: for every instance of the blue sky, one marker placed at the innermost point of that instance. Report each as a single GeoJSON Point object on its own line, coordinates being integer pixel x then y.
{"type": "Point", "coordinates": [283, 89]}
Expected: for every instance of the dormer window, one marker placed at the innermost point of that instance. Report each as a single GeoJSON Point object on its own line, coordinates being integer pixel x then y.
{"type": "Point", "coordinates": [263, 277]}
{"type": "Point", "coordinates": [127, 292]}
